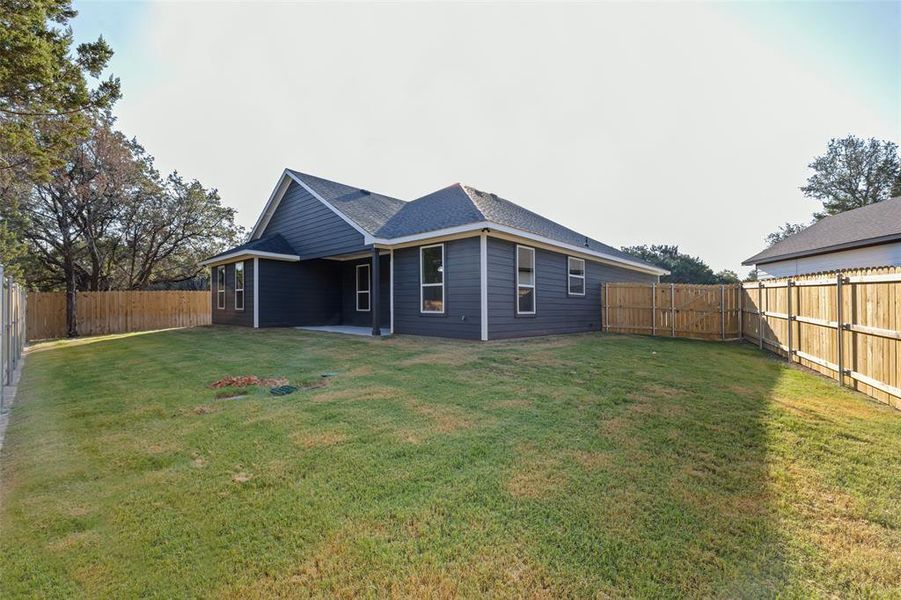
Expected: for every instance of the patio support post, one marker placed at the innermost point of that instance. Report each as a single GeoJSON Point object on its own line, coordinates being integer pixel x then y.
{"type": "Point", "coordinates": [375, 293]}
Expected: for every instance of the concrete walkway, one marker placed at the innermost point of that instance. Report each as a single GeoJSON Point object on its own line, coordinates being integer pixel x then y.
{"type": "Point", "coordinates": [346, 329]}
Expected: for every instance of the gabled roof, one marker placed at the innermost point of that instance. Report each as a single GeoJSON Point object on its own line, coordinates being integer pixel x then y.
{"type": "Point", "coordinates": [457, 209]}
{"type": "Point", "coordinates": [368, 210]}
{"type": "Point", "coordinates": [877, 223]}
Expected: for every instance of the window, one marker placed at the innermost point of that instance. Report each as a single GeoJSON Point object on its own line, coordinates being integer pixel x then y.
{"type": "Point", "coordinates": [431, 278]}
{"type": "Point", "coordinates": [575, 269]}
{"type": "Point", "coordinates": [239, 286]}
{"type": "Point", "coordinates": [220, 287]}
{"type": "Point", "coordinates": [525, 280]}
{"type": "Point", "coordinates": [363, 287]}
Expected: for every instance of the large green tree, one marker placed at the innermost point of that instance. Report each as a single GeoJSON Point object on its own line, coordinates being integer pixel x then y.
{"type": "Point", "coordinates": [683, 268]}
{"type": "Point", "coordinates": [853, 173]}
{"type": "Point", "coordinates": [44, 90]}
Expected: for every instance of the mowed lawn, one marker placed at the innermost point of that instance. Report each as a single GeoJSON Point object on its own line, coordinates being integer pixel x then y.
{"type": "Point", "coordinates": [590, 465]}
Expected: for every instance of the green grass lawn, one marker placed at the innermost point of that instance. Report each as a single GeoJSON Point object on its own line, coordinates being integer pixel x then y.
{"type": "Point", "coordinates": [591, 465]}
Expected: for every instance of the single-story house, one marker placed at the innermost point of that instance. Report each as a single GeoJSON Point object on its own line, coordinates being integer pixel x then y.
{"type": "Point", "coordinates": [455, 263]}
{"type": "Point", "coordinates": [869, 236]}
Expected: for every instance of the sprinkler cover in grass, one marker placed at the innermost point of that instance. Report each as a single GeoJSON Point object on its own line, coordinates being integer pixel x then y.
{"type": "Point", "coordinates": [283, 390]}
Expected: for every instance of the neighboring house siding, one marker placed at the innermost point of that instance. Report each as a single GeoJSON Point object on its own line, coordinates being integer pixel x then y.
{"type": "Point", "coordinates": [883, 255]}
{"type": "Point", "coordinates": [461, 318]}
{"type": "Point", "coordinates": [228, 315]}
{"type": "Point", "coordinates": [304, 293]}
{"type": "Point", "coordinates": [556, 311]}
{"type": "Point", "coordinates": [311, 227]}
{"type": "Point", "coordinates": [349, 312]}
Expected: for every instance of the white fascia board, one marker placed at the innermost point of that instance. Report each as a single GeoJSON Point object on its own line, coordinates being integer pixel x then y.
{"type": "Point", "coordinates": [579, 251]}
{"type": "Point", "coordinates": [367, 237]}
{"type": "Point", "coordinates": [234, 256]}
{"type": "Point", "coordinates": [274, 199]}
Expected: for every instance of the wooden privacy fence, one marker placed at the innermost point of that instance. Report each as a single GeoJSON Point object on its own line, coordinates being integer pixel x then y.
{"type": "Point", "coordinates": [708, 312]}
{"type": "Point", "coordinates": [101, 313]}
{"type": "Point", "coordinates": [846, 325]}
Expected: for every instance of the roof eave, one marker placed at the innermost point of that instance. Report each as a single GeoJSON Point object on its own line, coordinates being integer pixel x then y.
{"type": "Point", "coordinates": [239, 254]}
{"type": "Point", "coordinates": [885, 239]}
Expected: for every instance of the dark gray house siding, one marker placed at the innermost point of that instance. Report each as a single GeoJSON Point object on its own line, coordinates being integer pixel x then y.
{"type": "Point", "coordinates": [304, 293]}
{"type": "Point", "coordinates": [461, 318]}
{"type": "Point", "coordinates": [556, 311]}
{"type": "Point", "coordinates": [311, 227]}
{"type": "Point", "coordinates": [228, 315]}
{"type": "Point", "coordinates": [349, 312]}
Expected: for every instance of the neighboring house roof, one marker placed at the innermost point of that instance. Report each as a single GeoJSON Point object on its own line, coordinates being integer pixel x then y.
{"type": "Point", "coordinates": [866, 226]}
{"type": "Point", "coordinates": [383, 219]}
{"type": "Point", "coordinates": [270, 245]}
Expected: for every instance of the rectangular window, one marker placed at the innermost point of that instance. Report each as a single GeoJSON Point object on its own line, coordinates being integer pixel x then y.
{"type": "Point", "coordinates": [220, 287]}
{"type": "Point", "coordinates": [239, 286]}
{"type": "Point", "coordinates": [363, 288]}
{"type": "Point", "coordinates": [525, 280]}
{"type": "Point", "coordinates": [575, 269]}
{"type": "Point", "coordinates": [431, 278]}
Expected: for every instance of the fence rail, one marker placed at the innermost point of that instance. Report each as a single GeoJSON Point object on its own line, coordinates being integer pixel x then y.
{"type": "Point", "coordinates": [847, 322]}
{"type": "Point", "coordinates": [12, 331]}
{"type": "Point", "coordinates": [100, 313]}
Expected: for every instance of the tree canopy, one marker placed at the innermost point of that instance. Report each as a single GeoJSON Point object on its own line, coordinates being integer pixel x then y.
{"type": "Point", "coordinates": [683, 268]}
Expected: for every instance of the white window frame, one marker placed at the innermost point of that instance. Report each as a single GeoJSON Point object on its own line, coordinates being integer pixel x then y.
{"type": "Point", "coordinates": [241, 289]}
{"type": "Point", "coordinates": [569, 276]}
{"type": "Point", "coordinates": [366, 292]}
{"type": "Point", "coordinates": [533, 286]}
{"type": "Point", "coordinates": [220, 287]}
{"type": "Point", "coordinates": [423, 285]}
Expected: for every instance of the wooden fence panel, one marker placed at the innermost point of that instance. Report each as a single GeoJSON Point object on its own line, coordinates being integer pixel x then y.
{"type": "Point", "coordinates": [672, 310]}
{"type": "Point", "coordinates": [848, 323]}
{"type": "Point", "coordinates": [101, 313]}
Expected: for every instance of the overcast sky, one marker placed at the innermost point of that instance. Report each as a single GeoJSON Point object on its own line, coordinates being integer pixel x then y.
{"type": "Point", "coordinates": [679, 123]}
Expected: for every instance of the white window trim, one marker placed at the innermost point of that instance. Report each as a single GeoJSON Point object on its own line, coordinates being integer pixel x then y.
{"type": "Point", "coordinates": [220, 287]}
{"type": "Point", "coordinates": [423, 285]}
{"type": "Point", "coordinates": [569, 276]}
{"type": "Point", "coordinates": [241, 289]}
{"type": "Point", "coordinates": [534, 284]}
{"type": "Point", "coordinates": [368, 292]}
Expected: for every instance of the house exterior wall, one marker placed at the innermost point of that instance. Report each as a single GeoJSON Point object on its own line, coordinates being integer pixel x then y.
{"type": "Point", "coordinates": [349, 313]}
{"type": "Point", "coordinates": [556, 312]}
{"type": "Point", "coordinates": [462, 311]}
{"type": "Point", "coordinates": [299, 293]}
{"type": "Point", "coordinates": [311, 227]}
{"type": "Point", "coordinates": [883, 255]}
{"type": "Point", "coordinates": [228, 315]}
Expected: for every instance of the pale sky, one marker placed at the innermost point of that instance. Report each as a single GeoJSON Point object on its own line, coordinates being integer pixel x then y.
{"type": "Point", "coordinates": [679, 123]}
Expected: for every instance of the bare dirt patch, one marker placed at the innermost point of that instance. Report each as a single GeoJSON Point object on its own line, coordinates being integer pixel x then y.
{"type": "Point", "coordinates": [241, 381]}
{"type": "Point", "coordinates": [446, 419]}
{"type": "Point", "coordinates": [592, 460]}
{"type": "Point", "coordinates": [203, 409]}
{"type": "Point", "coordinates": [241, 477]}
{"type": "Point", "coordinates": [361, 394]}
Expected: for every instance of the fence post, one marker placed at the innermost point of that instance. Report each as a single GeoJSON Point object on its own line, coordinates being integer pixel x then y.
{"type": "Point", "coordinates": [840, 328]}
{"type": "Point", "coordinates": [723, 310]}
{"type": "Point", "coordinates": [605, 292]}
{"type": "Point", "coordinates": [741, 311]}
{"type": "Point", "coordinates": [672, 301]}
{"type": "Point", "coordinates": [653, 309]}
{"type": "Point", "coordinates": [760, 314]}
{"type": "Point", "coordinates": [788, 300]}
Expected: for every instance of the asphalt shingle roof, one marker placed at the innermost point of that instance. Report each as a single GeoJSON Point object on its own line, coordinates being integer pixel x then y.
{"type": "Point", "coordinates": [368, 210]}
{"type": "Point", "coordinates": [460, 205]}
{"type": "Point", "coordinates": [859, 227]}
{"type": "Point", "coordinates": [273, 242]}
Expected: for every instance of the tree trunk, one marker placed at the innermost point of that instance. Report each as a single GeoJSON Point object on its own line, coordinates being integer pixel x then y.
{"type": "Point", "coordinates": [71, 319]}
